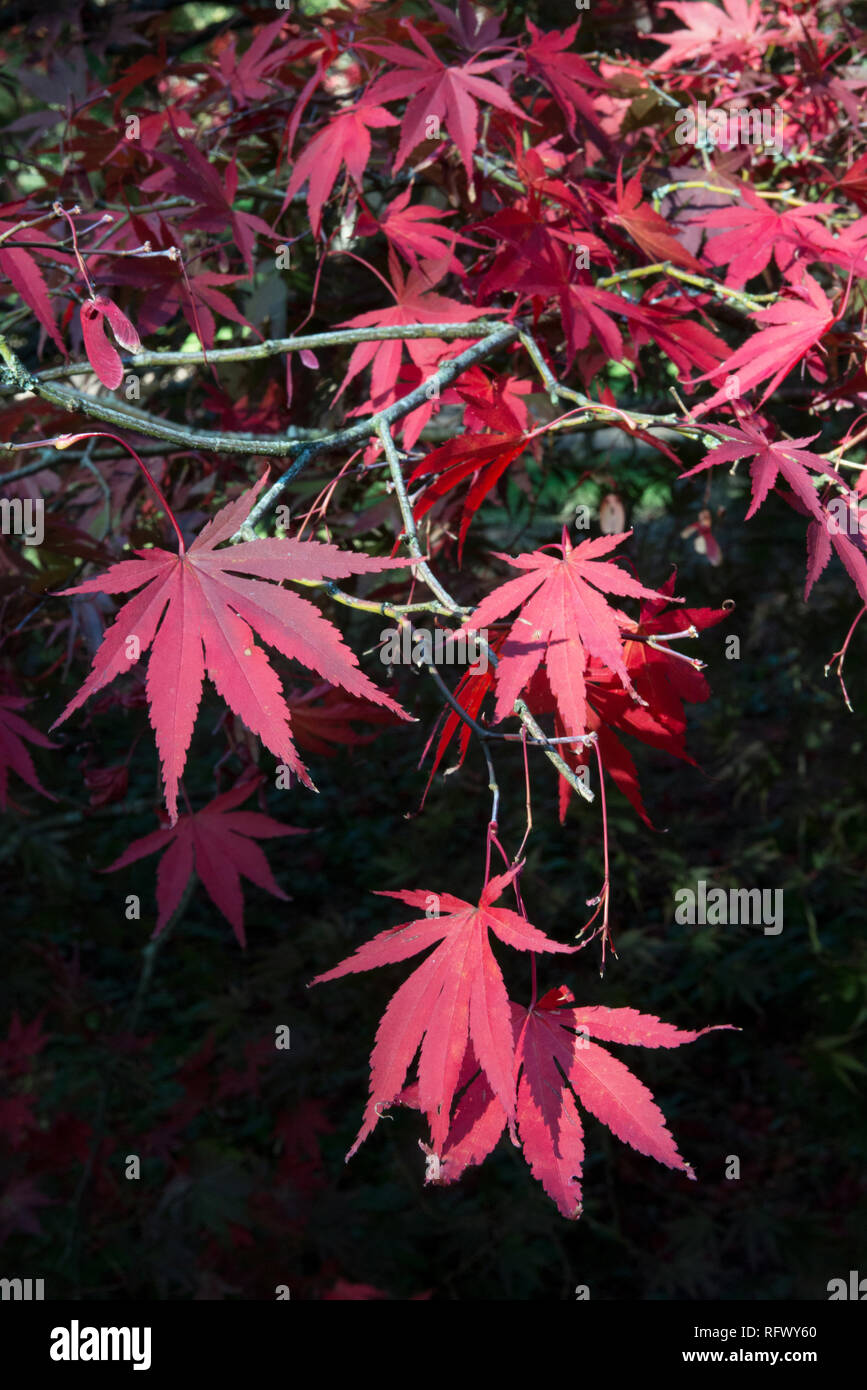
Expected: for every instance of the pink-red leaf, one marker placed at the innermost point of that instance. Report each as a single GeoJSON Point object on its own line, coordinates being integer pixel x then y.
{"type": "Point", "coordinates": [219, 843]}
{"type": "Point", "coordinates": [564, 620]}
{"type": "Point", "coordinates": [454, 998]}
{"type": "Point", "coordinates": [200, 609]}
{"type": "Point", "coordinates": [14, 757]}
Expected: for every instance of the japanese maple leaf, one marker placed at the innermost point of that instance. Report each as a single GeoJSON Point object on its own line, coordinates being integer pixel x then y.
{"type": "Point", "coordinates": [794, 326]}
{"type": "Point", "coordinates": [209, 607]}
{"type": "Point", "coordinates": [456, 995]}
{"type": "Point", "coordinates": [219, 844]}
{"type": "Point", "coordinates": [471, 27]}
{"type": "Point", "coordinates": [323, 719]}
{"type": "Point", "coordinates": [663, 322]}
{"type": "Point", "coordinates": [665, 680]}
{"type": "Point", "coordinates": [553, 1041]}
{"type": "Point", "coordinates": [247, 76]}
{"type": "Point", "coordinates": [438, 91]}
{"type": "Point", "coordinates": [786, 458]}
{"type": "Point", "coordinates": [849, 249]}
{"type": "Point", "coordinates": [535, 262]}
{"type": "Point", "coordinates": [756, 231]}
{"type": "Point", "coordinates": [415, 302]}
{"type": "Point", "coordinates": [827, 535]}
{"type": "Point", "coordinates": [853, 182]}
{"type": "Point", "coordinates": [199, 297]}
{"type": "Point", "coordinates": [482, 457]}
{"type": "Point", "coordinates": [494, 402]}
{"type": "Point", "coordinates": [190, 175]}
{"type": "Point", "coordinates": [207, 296]}
{"type": "Point", "coordinates": [563, 619]}
{"type": "Point", "coordinates": [26, 278]}
{"type": "Point", "coordinates": [647, 228]}
{"type": "Point", "coordinates": [736, 32]}
{"type": "Point", "coordinates": [530, 254]}
{"type": "Point", "coordinates": [14, 757]}
{"type": "Point", "coordinates": [586, 311]}
{"type": "Point", "coordinates": [103, 358]}
{"type": "Point", "coordinates": [151, 65]}
{"type": "Point", "coordinates": [769, 460]}
{"type": "Point", "coordinates": [666, 683]}
{"type": "Point", "coordinates": [413, 230]}
{"type": "Point", "coordinates": [345, 140]}
{"type": "Point", "coordinates": [165, 290]}
{"type": "Point", "coordinates": [568, 77]}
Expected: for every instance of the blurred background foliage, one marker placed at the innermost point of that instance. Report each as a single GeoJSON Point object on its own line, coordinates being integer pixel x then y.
{"type": "Point", "coordinates": [243, 1183]}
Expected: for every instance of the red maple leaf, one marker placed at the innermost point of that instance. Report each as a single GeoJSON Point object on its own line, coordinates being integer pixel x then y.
{"type": "Point", "coordinates": [661, 321]}
{"type": "Point", "coordinates": [14, 757]}
{"type": "Point", "coordinates": [552, 1041]}
{"type": "Point", "coordinates": [822, 536]}
{"type": "Point", "coordinates": [562, 1071]}
{"type": "Point", "coordinates": [663, 679]}
{"type": "Point", "coordinates": [533, 261]}
{"type": "Point", "coordinates": [219, 844]}
{"type": "Point", "coordinates": [471, 26]}
{"type": "Point", "coordinates": [567, 76]}
{"type": "Point", "coordinates": [456, 995]}
{"type": "Point", "coordinates": [189, 175]}
{"type": "Point", "coordinates": [439, 91]}
{"type": "Point", "coordinates": [735, 33]}
{"type": "Point", "coordinates": [853, 182]}
{"type": "Point", "coordinates": [648, 229]}
{"type": "Point", "coordinates": [209, 612]}
{"type": "Point", "coordinates": [666, 681]}
{"type": "Point", "coordinates": [563, 620]}
{"type": "Point", "coordinates": [770, 458]}
{"type": "Point", "coordinates": [345, 140]}
{"type": "Point", "coordinates": [247, 76]}
{"type": "Point", "coordinates": [482, 457]}
{"type": "Point", "coordinates": [529, 255]}
{"type": "Point", "coordinates": [413, 230]}
{"type": "Point", "coordinates": [786, 458]}
{"type": "Point", "coordinates": [323, 719]}
{"type": "Point", "coordinates": [493, 402]}
{"type": "Point", "coordinates": [26, 278]}
{"type": "Point", "coordinates": [165, 289]}
{"type": "Point", "coordinates": [794, 327]}
{"type": "Point", "coordinates": [756, 231]}
{"type": "Point", "coordinates": [415, 302]}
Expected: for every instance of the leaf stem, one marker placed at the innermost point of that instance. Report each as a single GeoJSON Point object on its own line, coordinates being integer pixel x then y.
{"type": "Point", "coordinates": [62, 441]}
